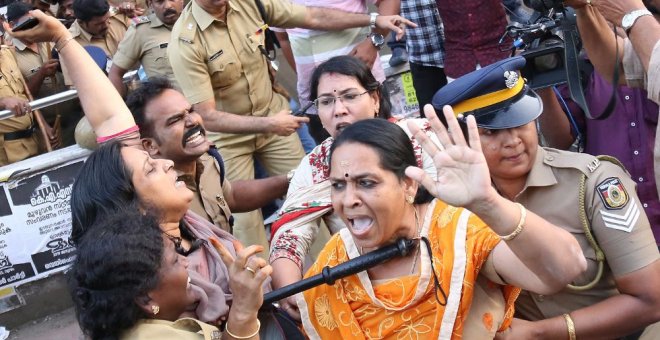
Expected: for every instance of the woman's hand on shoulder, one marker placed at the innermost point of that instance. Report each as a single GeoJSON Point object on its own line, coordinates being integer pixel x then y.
{"type": "Point", "coordinates": [247, 274]}
{"type": "Point", "coordinates": [463, 178]}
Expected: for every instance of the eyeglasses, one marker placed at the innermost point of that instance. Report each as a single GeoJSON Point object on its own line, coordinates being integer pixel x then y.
{"type": "Point", "coordinates": [327, 103]}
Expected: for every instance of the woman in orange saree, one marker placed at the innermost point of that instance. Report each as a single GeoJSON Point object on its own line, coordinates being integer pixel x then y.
{"type": "Point", "coordinates": [461, 278]}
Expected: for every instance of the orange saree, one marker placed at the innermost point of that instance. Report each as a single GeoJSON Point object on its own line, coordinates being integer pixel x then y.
{"type": "Point", "coordinates": [406, 307]}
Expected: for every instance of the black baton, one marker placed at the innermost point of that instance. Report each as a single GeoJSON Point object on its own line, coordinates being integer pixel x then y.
{"type": "Point", "coordinates": [329, 275]}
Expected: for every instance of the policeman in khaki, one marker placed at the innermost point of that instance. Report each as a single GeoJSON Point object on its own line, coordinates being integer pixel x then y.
{"type": "Point", "coordinates": [146, 42]}
{"type": "Point", "coordinates": [17, 134]}
{"type": "Point", "coordinates": [97, 26]}
{"type": "Point", "coordinates": [216, 56]}
{"type": "Point", "coordinates": [618, 293]}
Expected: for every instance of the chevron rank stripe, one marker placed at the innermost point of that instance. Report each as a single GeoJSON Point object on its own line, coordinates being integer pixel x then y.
{"type": "Point", "coordinates": [624, 221]}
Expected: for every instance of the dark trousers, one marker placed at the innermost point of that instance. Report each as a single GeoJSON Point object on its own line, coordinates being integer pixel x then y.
{"type": "Point", "coordinates": [427, 80]}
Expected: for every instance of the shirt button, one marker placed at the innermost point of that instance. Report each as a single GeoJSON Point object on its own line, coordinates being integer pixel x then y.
{"type": "Point", "coordinates": [540, 298]}
{"type": "Point", "coordinates": [645, 205]}
{"type": "Point", "coordinates": [641, 179]}
{"type": "Point", "coordinates": [633, 124]}
{"type": "Point", "coordinates": [636, 152]}
{"type": "Point", "coordinates": [627, 97]}
{"type": "Point", "coordinates": [550, 158]}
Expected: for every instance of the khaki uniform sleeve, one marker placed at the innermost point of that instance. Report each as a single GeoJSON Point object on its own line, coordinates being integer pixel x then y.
{"type": "Point", "coordinates": [284, 14]}
{"type": "Point", "coordinates": [618, 220]}
{"type": "Point", "coordinates": [190, 70]}
{"type": "Point", "coordinates": [129, 50]}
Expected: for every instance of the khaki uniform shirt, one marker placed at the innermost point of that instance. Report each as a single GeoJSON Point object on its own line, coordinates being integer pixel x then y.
{"type": "Point", "coordinates": [183, 329]}
{"type": "Point", "coordinates": [29, 62]}
{"type": "Point", "coordinates": [12, 84]}
{"type": "Point", "coordinates": [209, 199]}
{"type": "Point", "coordinates": [617, 219]}
{"type": "Point", "coordinates": [146, 42]}
{"type": "Point", "coordinates": [116, 30]}
{"type": "Point", "coordinates": [222, 60]}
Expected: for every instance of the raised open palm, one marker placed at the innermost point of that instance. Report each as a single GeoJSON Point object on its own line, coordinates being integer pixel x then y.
{"type": "Point", "coordinates": [463, 176]}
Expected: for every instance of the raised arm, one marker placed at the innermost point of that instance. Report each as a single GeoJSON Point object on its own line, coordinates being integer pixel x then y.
{"type": "Point", "coordinates": [527, 260]}
{"type": "Point", "coordinates": [328, 19]}
{"type": "Point", "coordinates": [103, 106]}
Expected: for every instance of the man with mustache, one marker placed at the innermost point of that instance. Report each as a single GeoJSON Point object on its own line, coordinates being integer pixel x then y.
{"type": "Point", "coordinates": [171, 129]}
{"type": "Point", "coordinates": [96, 25]}
{"type": "Point", "coordinates": [146, 42]}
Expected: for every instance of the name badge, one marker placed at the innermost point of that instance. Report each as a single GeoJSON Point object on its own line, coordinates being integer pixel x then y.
{"type": "Point", "coordinates": [216, 55]}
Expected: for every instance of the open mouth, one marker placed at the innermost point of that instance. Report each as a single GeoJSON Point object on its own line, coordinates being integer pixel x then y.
{"type": "Point", "coordinates": [194, 136]}
{"type": "Point", "coordinates": [341, 126]}
{"type": "Point", "coordinates": [360, 225]}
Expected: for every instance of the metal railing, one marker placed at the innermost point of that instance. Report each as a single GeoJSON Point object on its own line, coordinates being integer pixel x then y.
{"type": "Point", "coordinates": [58, 98]}
{"type": "Point", "coordinates": [45, 102]}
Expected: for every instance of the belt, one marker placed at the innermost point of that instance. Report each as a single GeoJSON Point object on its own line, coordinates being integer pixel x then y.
{"type": "Point", "coordinates": [20, 134]}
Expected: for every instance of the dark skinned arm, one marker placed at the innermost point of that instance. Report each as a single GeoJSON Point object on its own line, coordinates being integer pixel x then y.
{"type": "Point", "coordinates": [248, 195]}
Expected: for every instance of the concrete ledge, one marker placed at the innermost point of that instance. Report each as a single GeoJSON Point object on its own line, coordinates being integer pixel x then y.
{"type": "Point", "coordinates": [42, 298]}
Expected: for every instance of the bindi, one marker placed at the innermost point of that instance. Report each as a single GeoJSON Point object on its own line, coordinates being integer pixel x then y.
{"type": "Point", "coordinates": [344, 165]}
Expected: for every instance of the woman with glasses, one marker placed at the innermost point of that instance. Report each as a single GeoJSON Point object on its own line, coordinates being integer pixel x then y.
{"type": "Point", "coordinates": [346, 92]}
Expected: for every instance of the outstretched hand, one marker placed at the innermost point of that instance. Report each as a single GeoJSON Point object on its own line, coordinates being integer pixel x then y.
{"type": "Point", "coordinates": [246, 284]}
{"type": "Point", "coordinates": [49, 29]}
{"type": "Point", "coordinates": [463, 178]}
{"type": "Point", "coordinates": [394, 23]}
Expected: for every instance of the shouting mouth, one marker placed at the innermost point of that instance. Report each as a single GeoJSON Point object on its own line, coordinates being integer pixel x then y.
{"type": "Point", "coordinates": [360, 225]}
{"type": "Point", "coordinates": [194, 136]}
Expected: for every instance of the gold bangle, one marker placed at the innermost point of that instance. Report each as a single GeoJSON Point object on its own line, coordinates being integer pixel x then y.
{"type": "Point", "coordinates": [243, 337]}
{"type": "Point", "coordinates": [61, 44]}
{"type": "Point", "coordinates": [519, 227]}
{"type": "Point", "coordinates": [571, 327]}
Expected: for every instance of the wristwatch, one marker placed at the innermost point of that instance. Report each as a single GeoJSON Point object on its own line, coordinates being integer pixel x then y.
{"type": "Point", "coordinates": [629, 19]}
{"type": "Point", "coordinates": [377, 40]}
{"type": "Point", "coordinates": [372, 20]}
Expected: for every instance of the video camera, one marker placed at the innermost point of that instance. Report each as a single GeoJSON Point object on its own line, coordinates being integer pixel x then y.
{"type": "Point", "coordinates": [550, 43]}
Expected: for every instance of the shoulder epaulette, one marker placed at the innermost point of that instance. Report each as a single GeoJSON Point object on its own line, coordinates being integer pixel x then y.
{"type": "Point", "coordinates": [136, 21]}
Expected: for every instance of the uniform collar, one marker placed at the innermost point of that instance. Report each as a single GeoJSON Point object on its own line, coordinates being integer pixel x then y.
{"type": "Point", "coordinates": [76, 31]}
{"type": "Point", "coordinates": [190, 180]}
{"type": "Point", "coordinates": [541, 174]}
{"type": "Point", "coordinates": [203, 18]}
{"type": "Point", "coordinates": [154, 22]}
{"type": "Point", "coordinates": [18, 44]}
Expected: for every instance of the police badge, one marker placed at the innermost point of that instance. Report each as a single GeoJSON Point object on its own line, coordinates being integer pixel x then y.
{"type": "Point", "coordinates": [511, 78]}
{"type": "Point", "coordinates": [612, 193]}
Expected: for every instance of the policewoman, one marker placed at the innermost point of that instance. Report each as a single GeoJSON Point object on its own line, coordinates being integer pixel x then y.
{"type": "Point", "coordinates": [591, 197]}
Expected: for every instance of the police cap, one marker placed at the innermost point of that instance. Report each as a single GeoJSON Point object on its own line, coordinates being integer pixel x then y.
{"type": "Point", "coordinates": [496, 95]}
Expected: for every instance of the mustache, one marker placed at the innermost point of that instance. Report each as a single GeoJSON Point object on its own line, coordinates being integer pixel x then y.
{"type": "Point", "coordinates": [191, 132]}
{"type": "Point", "coordinates": [169, 11]}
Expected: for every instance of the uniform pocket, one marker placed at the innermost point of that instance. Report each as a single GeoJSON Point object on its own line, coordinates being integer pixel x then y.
{"type": "Point", "coordinates": [224, 72]}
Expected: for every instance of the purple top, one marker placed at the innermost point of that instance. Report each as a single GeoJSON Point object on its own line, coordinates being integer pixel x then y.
{"type": "Point", "coordinates": [627, 134]}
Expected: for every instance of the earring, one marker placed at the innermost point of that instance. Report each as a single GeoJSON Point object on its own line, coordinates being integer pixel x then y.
{"type": "Point", "coordinates": [410, 199]}
{"type": "Point", "coordinates": [155, 309]}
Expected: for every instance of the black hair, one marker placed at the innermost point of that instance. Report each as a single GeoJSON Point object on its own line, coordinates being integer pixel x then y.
{"type": "Point", "coordinates": [103, 186]}
{"type": "Point", "coordinates": [390, 142]}
{"type": "Point", "coordinates": [15, 10]}
{"type": "Point", "coordinates": [85, 10]}
{"type": "Point", "coordinates": [143, 95]}
{"type": "Point", "coordinates": [117, 265]}
{"type": "Point", "coordinates": [352, 67]}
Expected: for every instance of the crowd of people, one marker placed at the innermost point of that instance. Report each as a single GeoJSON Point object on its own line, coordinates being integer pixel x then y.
{"type": "Point", "coordinates": [513, 234]}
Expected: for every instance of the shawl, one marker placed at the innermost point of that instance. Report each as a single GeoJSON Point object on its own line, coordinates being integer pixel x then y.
{"type": "Point", "coordinates": [209, 283]}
